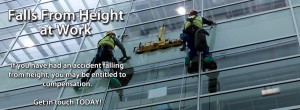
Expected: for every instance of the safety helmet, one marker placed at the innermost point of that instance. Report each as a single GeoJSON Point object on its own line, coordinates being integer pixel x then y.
{"type": "Point", "coordinates": [110, 33]}
{"type": "Point", "coordinates": [193, 12]}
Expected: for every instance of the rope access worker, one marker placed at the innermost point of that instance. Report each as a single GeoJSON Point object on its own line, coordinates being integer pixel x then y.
{"type": "Point", "coordinates": [105, 53]}
{"type": "Point", "coordinates": [194, 36]}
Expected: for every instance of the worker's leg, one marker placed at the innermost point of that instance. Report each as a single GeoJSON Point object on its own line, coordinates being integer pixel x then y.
{"type": "Point", "coordinates": [98, 59]}
{"type": "Point", "coordinates": [206, 52]}
{"type": "Point", "coordinates": [184, 38]}
{"type": "Point", "coordinates": [192, 51]}
{"type": "Point", "coordinates": [90, 71]}
{"type": "Point", "coordinates": [189, 57]}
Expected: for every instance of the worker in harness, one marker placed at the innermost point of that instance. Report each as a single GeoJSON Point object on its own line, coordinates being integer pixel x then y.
{"type": "Point", "coordinates": [105, 53]}
{"type": "Point", "coordinates": [194, 36]}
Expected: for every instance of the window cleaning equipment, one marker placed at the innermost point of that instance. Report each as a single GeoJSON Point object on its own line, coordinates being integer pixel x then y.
{"type": "Point", "coordinates": [160, 44]}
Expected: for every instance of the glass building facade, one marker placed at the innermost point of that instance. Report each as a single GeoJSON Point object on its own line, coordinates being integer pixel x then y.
{"type": "Point", "coordinates": [255, 44]}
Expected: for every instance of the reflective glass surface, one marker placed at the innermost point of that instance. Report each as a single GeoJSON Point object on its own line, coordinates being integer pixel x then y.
{"type": "Point", "coordinates": [250, 76]}
{"type": "Point", "coordinates": [173, 28]}
{"type": "Point", "coordinates": [26, 96]}
{"type": "Point", "coordinates": [253, 99]}
{"type": "Point", "coordinates": [4, 22]}
{"type": "Point", "coordinates": [5, 44]}
{"type": "Point", "coordinates": [9, 32]}
{"type": "Point", "coordinates": [13, 4]}
{"type": "Point", "coordinates": [297, 15]}
{"type": "Point", "coordinates": [83, 107]}
{"type": "Point", "coordinates": [258, 52]}
{"type": "Point", "coordinates": [143, 4]}
{"type": "Point", "coordinates": [11, 83]}
{"type": "Point", "coordinates": [42, 51]}
{"type": "Point", "coordinates": [153, 93]}
{"type": "Point", "coordinates": [98, 85]}
{"type": "Point", "coordinates": [242, 9]}
{"type": "Point", "coordinates": [158, 13]}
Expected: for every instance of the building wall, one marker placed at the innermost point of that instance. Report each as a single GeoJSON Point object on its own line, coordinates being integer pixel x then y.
{"type": "Point", "coordinates": [255, 43]}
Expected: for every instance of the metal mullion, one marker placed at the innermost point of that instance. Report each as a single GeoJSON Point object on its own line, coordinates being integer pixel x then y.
{"type": "Point", "coordinates": [295, 6]}
{"type": "Point", "coordinates": [296, 107]}
{"type": "Point", "coordinates": [255, 43]}
{"type": "Point", "coordinates": [200, 66]}
{"type": "Point", "coordinates": [54, 28]}
{"type": "Point", "coordinates": [83, 95]}
{"type": "Point", "coordinates": [124, 28]}
{"type": "Point", "coordinates": [7, 38]}
{"type": "Point", "coordinates": [30, 86]}
{"type": "Point", "coordinates": [253, 15]}
{"type": "Point", "coordinates": [251, 87]}
{"type": "Point", "coordinates": [22, 7]}
{"type": "Point", "coordinates": [159, 103]}
{"type": "Point", "coordinates": [147, 22]}
{"type": "Point", "coordinates": [166, 65]}
{"type": "Point", "coordinates": [184, 67]}
{"type": "Point", "coordinates": [153, 82]}
{"type": "Point", "coordinates": [253, 64]}
{"type": "Point", "coordinates": [11, 26]}
{"type": "Point", "coordinates": [194, 4]}
{"type": "Point", "coordinates": [42, 58]}
{"type": "Point", "coordinates": [14, 42]}
{"type": "Point", "coordinates": [226, 5]}
{"type": "Point", "coordinates": [255, 49]}
{"type": "Point", "coordinates": [20, 88]}
{"type": "Point", "coordinates": [48, 1]}
{"type": "Point", "coordinates": [3, 51]}
{"type": "Point", "coordinates": [4, 43]}
{"type": "Point", "coordinates": [18, 107]}
{"type": "Point", "coordinates": [113, 4]}
{"type": "Point", "coordinates": [105, 94]}
{"type": "Point", "coordinates": [6, 1]}
{"type": "Point", "coordinates": [294, 20]}
{"type": "Point", "coordinates": [43, 44]}
{"type": "Point", "coordinates": [159, 6]}
{"type": "Point", "coordinates": [199, 81]}
{"type": "Point", "coordinates": [105, 31]}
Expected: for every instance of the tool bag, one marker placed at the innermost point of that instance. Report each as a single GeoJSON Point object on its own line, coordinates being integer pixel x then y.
{"type": "Point", "coordinates": [200, 39]}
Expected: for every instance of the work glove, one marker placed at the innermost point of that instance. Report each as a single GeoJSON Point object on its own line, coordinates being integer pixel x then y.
{"type": "Point", "coordinates": [124, 58]}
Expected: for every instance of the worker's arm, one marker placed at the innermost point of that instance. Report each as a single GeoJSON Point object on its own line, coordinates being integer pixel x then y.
{"type": "Point", "coordinates": [208, 22]}
{"type": "Point", "coordinates": [120, 45]}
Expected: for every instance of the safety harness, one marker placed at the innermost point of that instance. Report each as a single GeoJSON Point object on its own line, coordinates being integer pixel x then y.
{"type": "Point", "coordinates": [107, 41]}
